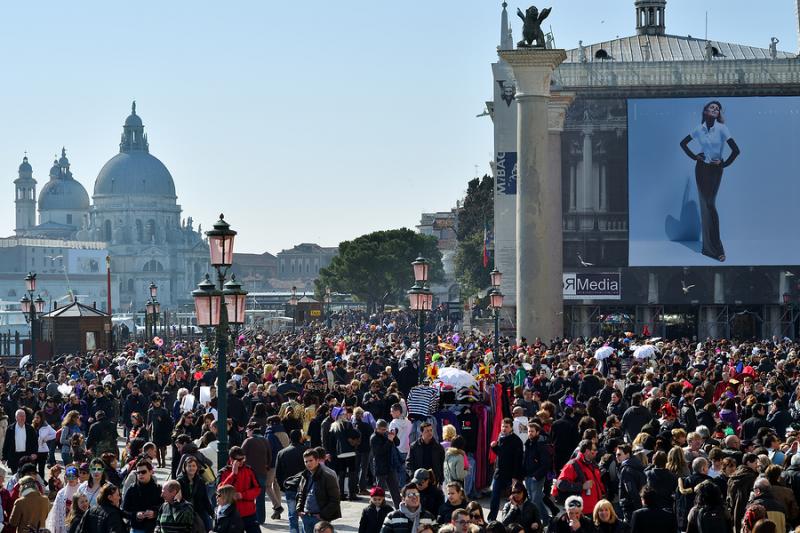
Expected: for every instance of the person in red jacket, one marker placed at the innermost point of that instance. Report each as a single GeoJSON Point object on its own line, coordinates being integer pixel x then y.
{"type": "Point", "coordinates": [243, 479]}
{"type": "Point", "coordinates": [580, 476]}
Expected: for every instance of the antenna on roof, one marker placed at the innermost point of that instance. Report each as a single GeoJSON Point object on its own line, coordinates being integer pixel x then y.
{"type": "Point", "coordinates": [706, 25]}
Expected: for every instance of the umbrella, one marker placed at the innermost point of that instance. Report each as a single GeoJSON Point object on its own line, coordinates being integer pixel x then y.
{"type": "Point", "coordinates": [603, 353]}
{"type": "Point", "coordinates": [456, 378]}
{"type": "Point", "coordinates": [644, 352]}
{"type": "Point", "coordinates": [24, 360]}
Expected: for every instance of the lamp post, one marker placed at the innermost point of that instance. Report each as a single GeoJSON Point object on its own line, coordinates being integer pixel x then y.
{"type": "Point", "coordinates": [328, 307]}
{"type": "Point", "coordinates": [420, 300]}
{"type": "Point", "coordinates": [293, 304]}
{"type": "Point", "coordinates": [152, 310]}
{"type": "Point", "coordinates": [210, 311]}
{"type": "Point", "coordinates": [31, 308]}
{"type": "Point", "coordinates": [496, 303]}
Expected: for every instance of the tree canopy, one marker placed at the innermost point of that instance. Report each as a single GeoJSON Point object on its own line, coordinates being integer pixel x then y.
{"type": "Point", "coordinates": [376, 267]}
{"type": "Point", "coordinates": [476, 213]}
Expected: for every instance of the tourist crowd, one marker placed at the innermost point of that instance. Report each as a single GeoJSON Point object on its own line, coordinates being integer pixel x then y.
{"type": "Point", "coordinates": [606, 435]}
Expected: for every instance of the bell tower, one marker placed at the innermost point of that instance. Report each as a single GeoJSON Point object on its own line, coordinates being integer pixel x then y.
{"type": "Point", "coordinates": [25, 198]}
{"type": "Point", "coordinates": [650, 17]}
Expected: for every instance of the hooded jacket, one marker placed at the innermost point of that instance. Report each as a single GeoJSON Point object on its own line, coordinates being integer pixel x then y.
{"type": "Point", "coordinates": [454, 469]}
{"type": "Point", "coordinates": [740, 485]}
{"type": "Point", "coordinates": [631, 480]}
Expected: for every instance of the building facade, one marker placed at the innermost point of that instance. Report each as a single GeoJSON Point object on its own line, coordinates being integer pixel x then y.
{"type": "Point", "coordinates": [589, 120]}
{"type": "Point", "coordinates": [134, 216]}
{"type": "Point", "coordinates": [303, 262]}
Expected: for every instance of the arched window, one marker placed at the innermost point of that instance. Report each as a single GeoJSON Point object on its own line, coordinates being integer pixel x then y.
{"type": "Point", "coordinates": [153, 266]}
{"type": "Point", "coordinates": [150, 231]}
{"type": "Point", "coordinates": [139, 231]}
{"type": "Point", "coordinates": [12, 293]}
{"type": "Point", "coordinates": [107, 231]}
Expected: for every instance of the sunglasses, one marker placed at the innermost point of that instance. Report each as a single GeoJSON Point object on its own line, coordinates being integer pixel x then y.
{"type": "Point", "coordinates": [142, 472]}
{"type": "Point", "coordinates": [95, 470]}
{"type": "Point", "coordinates": [573, 505]}
{"type": "Point", "coordinates": [475, 516]}
{"type": "Point", "coordinates": [412, 494]}
{"type": "Point", "coordinates": [237, 458]}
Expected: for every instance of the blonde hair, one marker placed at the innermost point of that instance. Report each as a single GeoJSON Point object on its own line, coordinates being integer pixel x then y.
{"type": "Point", "coordinates": [604, 504]}
{"type": "Point", "coordinates": [448, 432]}
{"type": "Point", "coordinates": [227, 493]}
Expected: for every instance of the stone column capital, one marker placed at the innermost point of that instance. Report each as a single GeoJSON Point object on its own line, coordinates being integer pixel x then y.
{"type": "Point", "coordinates": [557, 109]}
{"type": "Point", "coordinates": [533, 68]}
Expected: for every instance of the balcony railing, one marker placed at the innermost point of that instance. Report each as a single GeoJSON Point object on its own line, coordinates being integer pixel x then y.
{"type": "Point", "coordinates": [595, 221]}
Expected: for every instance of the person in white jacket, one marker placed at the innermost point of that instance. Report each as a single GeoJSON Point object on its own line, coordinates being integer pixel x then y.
{"type": "Point", "coordinates": [46, 433]}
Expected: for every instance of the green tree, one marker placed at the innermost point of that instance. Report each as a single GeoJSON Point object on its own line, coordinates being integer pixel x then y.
{"type": "Point", "coordinates": [376, 268]}
{"type": "Point", "coordinates": [476, 213]}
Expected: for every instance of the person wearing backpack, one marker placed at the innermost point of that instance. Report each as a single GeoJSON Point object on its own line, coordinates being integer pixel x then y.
{"type": "Point", "coordinates": [708, 514]}
{"type": "Point", "coordinates": [581, 477]}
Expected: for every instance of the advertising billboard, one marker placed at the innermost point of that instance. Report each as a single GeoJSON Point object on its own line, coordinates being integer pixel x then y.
{"type": "Point", "coordinates": [592, 286]}
{"type": "Point", "coordinates": [713, 181]}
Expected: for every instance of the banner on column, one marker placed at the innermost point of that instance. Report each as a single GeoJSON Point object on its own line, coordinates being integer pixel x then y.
{"type": "Point", "coordinates": [506, 172]}
{"type": "Point", "coordinates": [592, 286]}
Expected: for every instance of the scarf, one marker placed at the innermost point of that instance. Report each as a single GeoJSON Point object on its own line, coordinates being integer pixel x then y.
{"type": "Point", "coordinates": [411, 515]}
{"type": "Point", "coordinates": [221, 509]}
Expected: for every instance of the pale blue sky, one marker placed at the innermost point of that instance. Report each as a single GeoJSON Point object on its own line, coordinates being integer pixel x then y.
{"type": "Point", "coordinates": [304, 122]}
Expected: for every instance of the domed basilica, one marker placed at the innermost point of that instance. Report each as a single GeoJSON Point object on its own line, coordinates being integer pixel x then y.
{"type": "Point", "coordinates": [134, 211]}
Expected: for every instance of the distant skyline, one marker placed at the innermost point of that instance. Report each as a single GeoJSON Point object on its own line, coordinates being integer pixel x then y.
{"type": "Point", "coordinates": [302, 123]}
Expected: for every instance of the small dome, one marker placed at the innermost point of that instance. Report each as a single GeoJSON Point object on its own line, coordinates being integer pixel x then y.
{"type": "Point", "coordinates": [65, 194]}
{"type": "Point", "coordinates": [25, 166]}
{"type": "Point", "coordinates": [134, 173]}
{"type": "Point", "coordinates": [55, 170]}
{"type": "Point", "coordinates": [133, 120]}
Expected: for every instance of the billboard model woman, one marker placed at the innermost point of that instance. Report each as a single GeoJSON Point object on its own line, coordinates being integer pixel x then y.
{"type": "Point", "coordinates": [712, 134]}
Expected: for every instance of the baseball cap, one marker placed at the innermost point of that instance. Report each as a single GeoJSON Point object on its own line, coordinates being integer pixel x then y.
{"type": "Point", "coordinates": [377, 492]}
{"type": "Point", "coordinates": [420, 475]}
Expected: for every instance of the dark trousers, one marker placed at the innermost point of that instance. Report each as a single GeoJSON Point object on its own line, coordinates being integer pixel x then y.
{"type": "Point", "coordinates": [347, 467]}
{"type": "Point", "coordinates": [389, 482]}
{"type": "Point", "coordinates": [708, 179]}
{"type": "Point", "coordinates": [363, 470]}
{"type": "Point", "coordinates": [499, 486]}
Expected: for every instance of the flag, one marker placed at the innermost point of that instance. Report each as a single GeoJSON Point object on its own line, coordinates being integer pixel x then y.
{"type": "Point", "coordinates": [485, 245]}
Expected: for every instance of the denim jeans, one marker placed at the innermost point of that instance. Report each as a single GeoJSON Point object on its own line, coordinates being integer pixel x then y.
{"type": "Point", "coordinates": [308, 522]}
{"type": "Point", "coordinates": [261, 507]}
{"type": "Point", "coordinates": [498, 487]}
{"type": "Point", "coordinates": [291, 507]}
{"type": "Point", "coordinates": [402, 475]}
{"type": "Point", "coordinates": [536, 495]}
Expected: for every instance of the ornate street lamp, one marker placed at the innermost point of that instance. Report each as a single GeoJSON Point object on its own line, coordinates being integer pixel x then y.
{"type": "Point", "coordinates": [496, 303]}
{"type": "Point", "coordinates": [420, 299]}
{"type": "Point", "coordinates": [496, 278]}
{"type": "Point", "coordinates": [220, 307]}
{"type": "Point", "coordinates": [30, 308]}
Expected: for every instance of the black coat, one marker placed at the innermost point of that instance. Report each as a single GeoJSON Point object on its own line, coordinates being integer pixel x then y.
{"type": "Point", "coordinates": [634, 419]}
{"type": "Point", "coordinates": [751, 426]}
{"type": "Point", "coordinates": [9, 445]}
{"type": "Point", "coordinates": [431, 499]}
{"type": "Point", "coordinates": [326, 490]}
{"type": "Point", "coordinates": [229, 521]}
{"type": "Point", "coordinates": [665, 484]}
{"type": "Point", "coordinates": [524, 515]}
{"type": "Point", "coordinates": [537, 457]}
{"type": "Point", "coordinates": [565, 438]}
{"type": "Point", "coordinates": [382, 449]}
{"type": "Point", "coordinates": [417, 458]}
{"type": "Point", "coordinates": [142, 498]}
{"type": "Point", "coordinates": [653, 520]}
{"type": "Point", "coordinates": [631, 480]}
{"type": "Point", "coordinates": [372, 518]}
{"type": "Point", "coordinates": [508, 449]}
{"type": "Point", "coordinates": [103, 519]}
{"type": "Point", "coordinates": [196, 494]}
{"type": "Point", "coordinates": [289, 463]}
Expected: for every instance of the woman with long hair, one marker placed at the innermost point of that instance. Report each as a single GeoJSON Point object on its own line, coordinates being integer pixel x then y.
{"type": "Point", "coordinates": [78, 507]}
{"type": "Point", "coordinates": [709, 507]}
{"type": "Point", "coordinates": [193, 489]}
{"type": "Point", "coordinates": [45, 433]}
{"type": "Point", "coordinates": [676, 462]}
{"type": "Point", "coordinates": [606, 519]}
{"type": "Point", "coordinates": [226, 517]}
{"type": "Point", "coordinates": [712, 134]}
{"type": "Point", "coordinates": [106, 516]}
{"type": "Point", "coordinates": [97, 478]}
{"type": "Point", "coordinates": [69, 427]}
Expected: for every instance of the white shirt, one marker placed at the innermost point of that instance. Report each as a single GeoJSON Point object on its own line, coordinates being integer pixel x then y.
{"type": "Point", "coordinates": [521, 427]}
{"type": "Point", "coordinates": [19, 438]}
{"type": "Point", "coordinates": [711, 141]}
{"type": "Point", "coordinates": [402, 427]}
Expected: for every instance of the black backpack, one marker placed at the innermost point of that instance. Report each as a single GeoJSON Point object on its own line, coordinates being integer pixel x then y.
{"type": "Point", "coordinates": [712, 520]}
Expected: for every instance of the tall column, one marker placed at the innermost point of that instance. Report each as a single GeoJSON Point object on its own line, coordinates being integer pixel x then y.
{"type": "Point", "coordinates": [585, 197]}
{"type": "Point", "coordinates": [539, 231]}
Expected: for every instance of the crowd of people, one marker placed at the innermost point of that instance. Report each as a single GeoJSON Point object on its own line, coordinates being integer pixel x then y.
{"type": "Point", "coordinates": [569, 436]}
